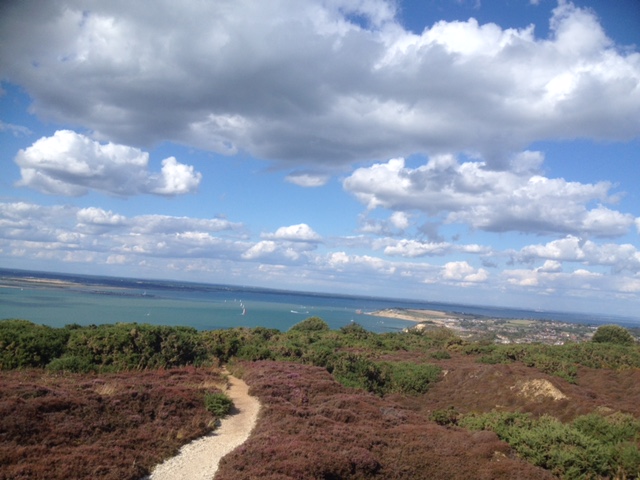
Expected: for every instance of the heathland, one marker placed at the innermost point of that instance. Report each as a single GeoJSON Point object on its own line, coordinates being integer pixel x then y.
{"type": "Point", "coordinates": [112, 401]}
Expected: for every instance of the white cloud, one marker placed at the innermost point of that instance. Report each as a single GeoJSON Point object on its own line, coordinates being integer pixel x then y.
{"type": "Point", "coordinates": [71, 164]}
{"type": "Point", "coordinates": [97, 233]}
{"type": "Point", "coordinates": [288, 245]}
{"type": "Point", "coordinates": [395, 225]}
{"type": "Point", "coordinates": [341, 261]}
{"type": "Point", "coordinates": [310, 82]}
{"type": "Point", "coordinates": [116, 260]}
{"type": "Point", "coordinates": [566, 249]}
{"type": "Point", "coordinates": [176, 178]}
{"type": "Point", "coordinates": [98, 216]}
{"type": "Point", "coordinates": [308, 180]}
{"type": "Point", "coordinates": [295, 233]}
{"type": "Point", "coordinates": [15, 130]}
{"type": "Point", "coordinates": [463, 272]}
{"type": "Point", "coordinates": [572, 283]}
{"type": "Point", "coordinates": [221, 249]}
{"type": "Point", "coordinates": [496, 201]}
{"type": "Point", "coordinates": [165, 224]}
{"type": "Point", "coordinates": [399, 220]}
{"type": "Point", "coordinates": [414, 248]}
{"type": "Point", "coordinates": [260, 249]}
{"type": "Point", "coordinates": [550, 266]}
{"type": "Point", "coordinates": [620, 257]}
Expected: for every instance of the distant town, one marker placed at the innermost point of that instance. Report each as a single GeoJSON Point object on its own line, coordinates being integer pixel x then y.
{"type": "Point", "coordinates": [497, 330]}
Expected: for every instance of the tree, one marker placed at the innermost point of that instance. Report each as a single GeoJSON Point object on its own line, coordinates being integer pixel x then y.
{"type": "Point", "coordinates": [613, 334]}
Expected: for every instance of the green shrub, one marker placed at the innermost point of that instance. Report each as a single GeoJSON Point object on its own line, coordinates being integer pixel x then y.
{"type": "Point", "coordinates": [311, 324]}
{"type": "Point", "coordinates": [356, 331]}
{"type": "Point", "coordinates": [71, 364]}
{"type": "Point", "coordinates": [411, 378]}
{"type": "Point", "coordinates": [321, 353]}
{"type": "Point", "coordinates": [357, 371]}
{"type": "Point", "coordinates": [124, 346]}
{"type": "Point", "coordinates": [222, 344]}
{"type": "Point", "coordinates": [592, 446]}
{"type": "Point", "coordinates": [445, 416]}
{"type": "Point", "coordinates": [616, 428]}
{"type": "Point", "coordinates": [218, 404]}
{"type": "Point", "coordinates": [25, 344]}
{"type": "Point", "coordinates": [613, 334]}
{"type": "Point", "coordinates": [441, 355]}
{"type": "Point", "coordinates": [441, 337]}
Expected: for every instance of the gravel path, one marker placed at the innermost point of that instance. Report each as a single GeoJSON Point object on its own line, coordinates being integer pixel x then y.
{"type": "Point", "coordinates": [199, 459]}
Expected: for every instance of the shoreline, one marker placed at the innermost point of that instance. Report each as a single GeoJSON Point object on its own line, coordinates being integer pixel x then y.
{"type": "Point", "coordinates": [415, 315]}
{"type": "Point", "coordinates": [17, 282]}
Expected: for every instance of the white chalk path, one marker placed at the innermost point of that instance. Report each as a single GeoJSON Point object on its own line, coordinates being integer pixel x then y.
{"type": "Point", "coordinates": [199, 459]}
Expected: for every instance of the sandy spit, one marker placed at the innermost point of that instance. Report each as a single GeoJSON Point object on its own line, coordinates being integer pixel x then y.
{"type": "Point", "coordinates": [412, 315]}
{"type": "Point", "coordinates": [199, 459]}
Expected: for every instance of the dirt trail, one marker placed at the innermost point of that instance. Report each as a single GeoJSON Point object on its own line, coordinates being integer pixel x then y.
{"type": "Point", "coordinates": [199, 459]}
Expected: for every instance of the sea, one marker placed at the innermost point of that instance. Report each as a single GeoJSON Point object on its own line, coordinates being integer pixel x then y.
{"type": "Point", "coordinates": [59, 299]}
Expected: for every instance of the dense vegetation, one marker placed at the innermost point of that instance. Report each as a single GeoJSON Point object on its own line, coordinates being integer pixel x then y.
{"type": "Point", "coordinates": [427, 387]}
{"type": "Point", "coordinates": [115, 426]}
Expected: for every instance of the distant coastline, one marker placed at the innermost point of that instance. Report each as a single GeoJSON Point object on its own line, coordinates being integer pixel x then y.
{"type": "Point", "coordinates": [18, 282]}
{"type": "Point", "coordinates": [414, 315]}
{"type": "Point", "coordinates": [211, 305]}
{"type": "Point", "coordinates": [31, 282]}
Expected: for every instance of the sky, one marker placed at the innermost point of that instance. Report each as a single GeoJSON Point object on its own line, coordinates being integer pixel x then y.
{"type": "Point", "coordinates": [474, 152]}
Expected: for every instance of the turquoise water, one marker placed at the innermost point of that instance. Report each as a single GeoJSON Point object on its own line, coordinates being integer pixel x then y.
{"type": "Point", "coordinates": [98, 300]}
{"type": "Point", "coordinates": [57, 307]}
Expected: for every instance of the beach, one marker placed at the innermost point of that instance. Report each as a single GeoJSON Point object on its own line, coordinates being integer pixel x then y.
{"type": "Point", "coordinates": [415, 315]}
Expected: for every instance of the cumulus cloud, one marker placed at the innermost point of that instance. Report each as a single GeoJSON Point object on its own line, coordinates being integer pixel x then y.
{"type": "Point", "coordinates": [620, 257]}
{"type": "Point", "coordinates": [71, 164]}
{"type": "Point", "coordinates": [176, 178]}
{"type": "Point", "coordinates": [521, 199]}
{"type": "Point", "coordinates": [414, 248]}
{"type": "Point", "coordinates": [286, 245]}
{"type": "Point", "coordinates": [260, 249]}
{"type": "Point", "coordinates": [396, 224]}
{"type": "Point", "coordinates": [98, 216]}
{"type": "Point", "coordinates": [295, 233]}
{"type": "Point", "coordinates": [341, 261]}
{"type": "Point", "coordinates": [306, 82]}
{"type": "Point", "coordinates": [552, 281]}
{"type": "Point", "coordinates": [216, 246]}
{"type": "Point", "coordinates": [463, 272]}
{"type": "Point", "coordinates": [93, 231]}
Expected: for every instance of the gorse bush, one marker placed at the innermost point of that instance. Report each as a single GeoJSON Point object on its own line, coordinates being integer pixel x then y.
{"type": "Point", "coordinates": [25, 344]}
{"type": "Point", "coordinates": [71, 364]}
{"type": "Point", "coordinates": [592, 446]}
{"type": "Point", "coordinates": [563, 360]}
{"type": "Point", "coordinates": [111, 347]}
{"type": "Point", "coordinates": [445, 416]}
{"type": "Point", "coordinates": [613, 334]}
{"type": "Point", "coordinates": [218, 404]}
{"type": "Point", "coordinates": [123, 346]}
{"type": "Point", "coordinates": [357, 371]}
{"type": "Point", "coordinates": [311, 324]}
{"type": "Point", "coordinates": [411, 378]}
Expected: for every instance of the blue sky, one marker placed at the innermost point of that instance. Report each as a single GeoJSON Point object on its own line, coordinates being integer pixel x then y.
{"type": "Point", "coordinates": [478, 152]}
